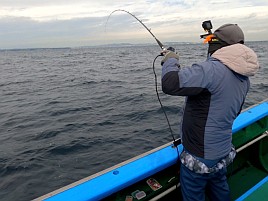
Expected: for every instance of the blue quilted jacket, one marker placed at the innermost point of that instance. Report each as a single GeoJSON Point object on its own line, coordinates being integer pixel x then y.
{"type": "Point", "coordinates": [215, 91]}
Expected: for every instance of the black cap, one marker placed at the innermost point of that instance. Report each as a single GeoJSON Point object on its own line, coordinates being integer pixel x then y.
{"type": "Point", "coordinates": [227, 34]}
{"type": "Point", "coordinates": [230, 33]}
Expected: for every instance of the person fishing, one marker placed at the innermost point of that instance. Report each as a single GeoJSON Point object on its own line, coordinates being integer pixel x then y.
{"type": "Point", "coordinates": [215, 91]}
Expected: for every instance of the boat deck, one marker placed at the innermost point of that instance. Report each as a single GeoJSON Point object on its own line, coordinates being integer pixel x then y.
{"type": "Point", "coordinates": [257, 192]}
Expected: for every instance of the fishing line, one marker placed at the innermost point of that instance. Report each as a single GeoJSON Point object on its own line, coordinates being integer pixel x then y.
{"type": "Point", "coordinates": [175, 142]}
{"type": "Point", "coordinates": [158, 97]}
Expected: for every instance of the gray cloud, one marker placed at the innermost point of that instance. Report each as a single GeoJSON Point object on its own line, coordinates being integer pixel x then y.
{"type": "Point", "coordinates": [24, 32]}
{"type": "Point", "coordinates": [180, 21]}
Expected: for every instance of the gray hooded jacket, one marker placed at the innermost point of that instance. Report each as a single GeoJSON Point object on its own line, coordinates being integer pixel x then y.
{"type": "Point", "coordinates": [215, 91]}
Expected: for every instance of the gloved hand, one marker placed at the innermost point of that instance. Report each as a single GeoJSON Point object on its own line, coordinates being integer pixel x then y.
{"type": "Point", "coordinates": [169, 53]}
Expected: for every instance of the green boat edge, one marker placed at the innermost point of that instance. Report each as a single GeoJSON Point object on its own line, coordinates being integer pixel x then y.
{"type": "Point", "coordinates": [248, 169]}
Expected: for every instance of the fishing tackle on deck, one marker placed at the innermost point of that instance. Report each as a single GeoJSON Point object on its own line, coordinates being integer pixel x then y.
{"type": "Point", "coordinates": [149, 30]}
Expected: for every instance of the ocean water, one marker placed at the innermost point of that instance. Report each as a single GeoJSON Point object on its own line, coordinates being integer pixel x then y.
{"type": "Point", "coordinates": [69, 113]}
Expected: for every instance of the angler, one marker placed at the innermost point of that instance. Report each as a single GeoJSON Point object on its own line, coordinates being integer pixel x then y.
{"type": "Point", "coordinates": [215, 91]}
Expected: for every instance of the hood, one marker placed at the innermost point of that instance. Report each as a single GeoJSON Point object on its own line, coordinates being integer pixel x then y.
{"type": "Point", "coordinates": [238, 58]}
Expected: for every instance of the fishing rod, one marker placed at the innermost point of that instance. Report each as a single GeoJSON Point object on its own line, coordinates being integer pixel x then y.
{"type": "Point", "coordinates": [149, 30]}
{"type": "Point", "coordinates": [175, 142]}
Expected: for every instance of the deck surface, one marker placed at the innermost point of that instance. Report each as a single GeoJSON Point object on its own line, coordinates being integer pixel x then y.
{"type": "Point", "coordinates": [258, 192]}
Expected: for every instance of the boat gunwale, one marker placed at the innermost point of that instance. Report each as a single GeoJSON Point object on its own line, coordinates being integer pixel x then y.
{"type": "Point", "coordinates": [113, 168]}
{"type": "Point", "coordinates": [105, 171]}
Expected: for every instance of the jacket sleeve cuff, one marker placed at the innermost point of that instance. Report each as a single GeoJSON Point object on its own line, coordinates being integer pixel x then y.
{"type": "Point", "coordinates": [171, 64]}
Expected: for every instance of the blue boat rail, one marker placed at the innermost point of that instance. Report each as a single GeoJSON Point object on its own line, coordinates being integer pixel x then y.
{"type": "Point", "coordinates": [120, 176]}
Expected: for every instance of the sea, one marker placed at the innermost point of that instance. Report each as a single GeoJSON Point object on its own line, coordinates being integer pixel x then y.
{"type": "Point", "coordinates": [67, 113]}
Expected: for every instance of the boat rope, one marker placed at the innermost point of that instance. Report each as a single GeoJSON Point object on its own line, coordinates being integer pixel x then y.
{"type": "Point", "coordinates": [265, 134]}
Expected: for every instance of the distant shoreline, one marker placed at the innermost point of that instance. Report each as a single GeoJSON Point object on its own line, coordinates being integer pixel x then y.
{"type": "Point", "coordinates": [111, 45]}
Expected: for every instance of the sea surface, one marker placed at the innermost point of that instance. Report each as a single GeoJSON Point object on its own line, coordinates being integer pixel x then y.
{"type": "Point", "coordinates": [68, 113]}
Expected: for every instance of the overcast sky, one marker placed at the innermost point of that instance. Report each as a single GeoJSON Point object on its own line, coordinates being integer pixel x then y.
{"type": "Point", "coordinates": [72, 23]}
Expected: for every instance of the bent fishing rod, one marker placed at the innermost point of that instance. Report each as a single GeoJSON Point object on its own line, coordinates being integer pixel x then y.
{"type": "Point", "coordinates": [175, 142]}
{"type": "Point", "coordinates": [149, 30]}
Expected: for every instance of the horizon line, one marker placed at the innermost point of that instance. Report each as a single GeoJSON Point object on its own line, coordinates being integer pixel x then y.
{"type": "Point", "coordinates": [108, 45]}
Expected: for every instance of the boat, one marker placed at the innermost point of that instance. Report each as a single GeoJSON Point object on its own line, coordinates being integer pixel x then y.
{"type": "Point", "coordinates": [154, 175]}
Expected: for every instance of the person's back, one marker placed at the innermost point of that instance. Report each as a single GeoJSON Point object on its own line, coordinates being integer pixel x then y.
{"type": "Point", "coordinates": [209, 115]}
{"type": "Point", "coordinates": [215, 91]}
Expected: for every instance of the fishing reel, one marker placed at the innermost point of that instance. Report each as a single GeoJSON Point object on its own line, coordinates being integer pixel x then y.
{"type": "Point", "coordinates": [207, 26]}
{"type": "Point", "coordinates": [171, 49]}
